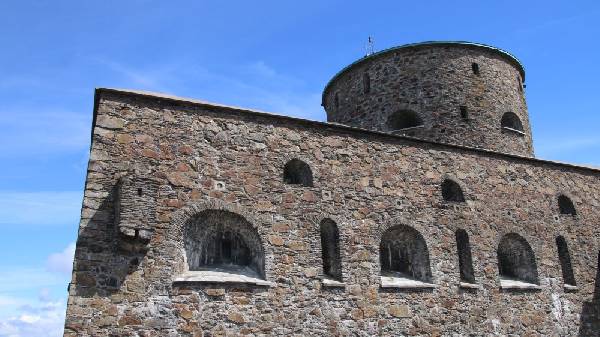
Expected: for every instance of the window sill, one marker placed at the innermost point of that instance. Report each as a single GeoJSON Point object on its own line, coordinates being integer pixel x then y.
{"type": "Point", "coordinates": [209, 276]}
{"type": "Point", "coordinates": [516, 284]}
{"type": "Point", "coordinates": [330, 283]}
{"type": "Point", "coordinates": [569, 287]}
{"type": "Point", "coordinates": [404, 283]}
{"type": "Point", "coordinates": [467, 285]}
{"type": "Point", "coordinates": [515, 131]}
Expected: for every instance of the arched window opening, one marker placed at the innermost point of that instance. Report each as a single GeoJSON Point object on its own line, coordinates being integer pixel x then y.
{"type": "Point", "coordinates": [475, 68]}
{"type": "Point", "coordinates": [404, 119]}
{"type": "Point", "coordinates": [512, 121]}
{"type": "Point", "coordinates": [566, 206]}
{"type": "Point", "coordinates": [464, 114]}
{"type": "Point", "coordinates": [366, 83]}
{"type": "Point", "coordinates": [297, 172]}
{"type": "Point", "coordinates": [330, 248]}
{"type": "Point", "coordinates": [451, 191]}
{"type": "Point", "coordinates": [403, 253]}
{"type": "Point", "coordinates": [465, 260]}
{"type": "Point", "coordinates": [516, 260]}
{"type": "Point", "coordinates": [218, 240]}
{"type": "Point", "coordinates": [565, 261]}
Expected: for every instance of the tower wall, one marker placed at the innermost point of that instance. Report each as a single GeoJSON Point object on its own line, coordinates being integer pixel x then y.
{"type": "Point", "coordinates": [455, 102]}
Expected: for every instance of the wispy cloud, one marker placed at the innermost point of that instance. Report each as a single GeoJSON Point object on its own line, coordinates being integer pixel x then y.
{"type": "Point", "coordinates": [62, 262]}
{"type": "Point", "coordinates": [42, 319]}
{"type": "Point", "coordinates": [40, 208]}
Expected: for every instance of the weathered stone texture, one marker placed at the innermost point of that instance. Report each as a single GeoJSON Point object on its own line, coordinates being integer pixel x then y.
{"type": "Point", "coordinates": [204, 157]}
{"type": "Point", "coordinates": [435, 81]}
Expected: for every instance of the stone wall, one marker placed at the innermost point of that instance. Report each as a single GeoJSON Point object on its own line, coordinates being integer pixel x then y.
{"type": "Point", "coordinates": [436, 81]}
{"type": "Point", "coordinates": [205, 157]}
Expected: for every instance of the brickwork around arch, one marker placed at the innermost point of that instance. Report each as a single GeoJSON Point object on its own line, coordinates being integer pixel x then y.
{"type": "Point", "coordinates": [201, 156]}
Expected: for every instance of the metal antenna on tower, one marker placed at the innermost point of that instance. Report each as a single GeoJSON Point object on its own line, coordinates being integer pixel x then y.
{"type": "Point", "coordinates": [370, 48]}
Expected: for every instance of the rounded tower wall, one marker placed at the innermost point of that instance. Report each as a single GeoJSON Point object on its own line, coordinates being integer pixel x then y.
{"type": "Point", "coordinates": [445, 92]}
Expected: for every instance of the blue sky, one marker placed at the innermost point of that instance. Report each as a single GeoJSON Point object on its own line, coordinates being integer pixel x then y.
{"type": "Point", "coordinates": [270, 55]}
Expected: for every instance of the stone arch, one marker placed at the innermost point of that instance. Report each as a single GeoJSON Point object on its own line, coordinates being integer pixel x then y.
{"type": "Point", "coordinates": [221, 240]}
{"type": "Point", "coordinates": [452, 191]}
{"type": "Point", "coordinates": [297, 172]}
{"type": "Point", "coordinates": [566, 205]}
{"type": "Point", "coordinates": [512, 121]}
{"type": "Point", "coordinates": [564, 257]}
{"type": "Point", "coordinates": [330, 249]}
{"type": "Point", "coordinates": [516, 259]}
{"type": "Point", "coordinates": [465, 259]}
{"type": "Point", "coordinates": [403, 252]}
{"type": "Point", "coordinates": [404, 119]}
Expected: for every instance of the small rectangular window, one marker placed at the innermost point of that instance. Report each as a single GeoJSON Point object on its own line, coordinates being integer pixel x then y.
{"type": "Point", "coordinates": [464, 114]}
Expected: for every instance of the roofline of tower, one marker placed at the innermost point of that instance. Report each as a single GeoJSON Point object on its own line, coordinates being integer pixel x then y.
{"type": "Point", "coordinates": [510, 57]}
{"type": "Point", "coordinates": [334, 126]}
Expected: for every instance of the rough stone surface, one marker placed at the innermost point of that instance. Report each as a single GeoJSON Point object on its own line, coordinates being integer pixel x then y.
{"type": "Point", "coordinates": [206, 157]}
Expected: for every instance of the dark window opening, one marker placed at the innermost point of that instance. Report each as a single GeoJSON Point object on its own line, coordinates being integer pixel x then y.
{"type": "Point", "coordinates": [330, 248]}
{"type": "Point", "coordinates": [465, 260]}
{"type": "Point", "coordinates": [336, 101]}
{"type": "Point", "coordinates": [565, 261]}
{"type": "Point", "coordinates": [451, 191]}
{"type": "Point", "coordinates": [404, 119]}
{"type": "Point", "coordinates": [139, 192]}
{"type": "Point", "coordinates": [403, 253]}
{"type": "Point", "coordinates": [223, 241]}
{"type": "Point", "coordinates": [566, 206]}
{"type": "Point", "coordinates": [512, 121]}
{"type": "Point", "coordinates": [520, 83]}
{"type": "Point", "coordinates": [475, 68]}
{"type": "Point", "coordinates": [366, 83]}
{"type": "Point", "coordinates": [297, 172]}
{"type": "Point", "coordinates": [516, 260]}
{"type": "Point", "coordinates": [464, 114]}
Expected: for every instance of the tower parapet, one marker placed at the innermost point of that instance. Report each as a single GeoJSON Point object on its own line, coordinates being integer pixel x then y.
{"type": "Point", "coordinates": [452, 92]}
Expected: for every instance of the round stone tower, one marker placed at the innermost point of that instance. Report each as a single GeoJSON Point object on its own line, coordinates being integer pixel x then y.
{"type": "Point", "coordinates": [452, 92]}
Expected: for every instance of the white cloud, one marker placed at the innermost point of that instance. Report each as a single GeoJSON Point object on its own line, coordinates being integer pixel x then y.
{"type": "Point", "coordinates": [62, 262]}
{"type": "Point", "coordinates": [44, 319]}
{"type": "Point", "coordinates": [40, 208]}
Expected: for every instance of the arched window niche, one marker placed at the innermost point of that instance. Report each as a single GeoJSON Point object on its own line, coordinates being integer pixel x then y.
{"type": "Point", "coordinates": [222, 247]}
{"type": "Point", "coordinates": [330, 252]}
{"type": "Point", "coordinates": [297, 172]}
{"type": "Point", "coordinates": [565, 263]}
{"type": "Point", "coordinates": [451, 191]}
{"type": "Point", "coordinates": [404, 119]}
{"type": "Point", "coordinates": [404, 259]}
{"type": "Point", "coordinates": [465, 260]}
{"type": "Point", "coordinates": [566, 206]}
{"type": "Point", "coordinates": [511, 122]}
{"type": "Point", "coordinates": [516, 263]}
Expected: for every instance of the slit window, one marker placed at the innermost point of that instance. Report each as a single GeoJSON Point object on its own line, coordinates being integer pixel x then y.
{"type": "Point", "coordinates": [139, 192]}
{"type": "Point", "coordinates": [336, 101]}
{"type": "Point", "coordinates": [403, 253]}
{"type": "Point", "coordinates": [404, 119]}
{"type": "Point", "coordinates": [451, 191]}
{"type": "Point", "coordinates": [565, 261]}
{"type": "Point", "coordinates": [566, 206]}
{"type": "Point", "coordinates": [464, 114]}
{"type": "Point", "coordinates": [366, 83]}
{"type": "Point", "coordinates": [465, 260]}
{"type": "Point", "coordinates": [516, 260]}
{"type": "Point", "coordinates": [475, 68]}
{"type": "Point", "coordinates": [330, 248]}
{"type": "Point", "coordinates": [512, 121]}
{"type": "Point", "coordinates": [297, 172]}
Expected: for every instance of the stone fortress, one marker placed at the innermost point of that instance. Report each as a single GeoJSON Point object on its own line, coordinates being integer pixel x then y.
{"type": "Point", "coordinates": [418, 209]}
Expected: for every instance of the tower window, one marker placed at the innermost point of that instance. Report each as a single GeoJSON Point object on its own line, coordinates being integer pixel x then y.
{"type": "Point", "coordinates": [475, 68]}
{"type": "Point", "coordinates": [566, 206]}
{"type": "Point", "coordinates": [223, 241]}
{"type": "Point", "coordinates": [297, 172]}
{"type": "Point", "coordinates": [565, 261]}
{"type": "Point", "coordinates": [464, 114]}
{"type": "Point", "coordinates": [516, 260]}
{"type": "Point", "coordinates": [336, 101]}
{"type": "Point", "coordinates": [330, 248]}
{"type": "Point", "coordinates": [520, 83]}
{"type": "Point", "coordinates": [403, 253]}
{"type": "Point", "coordinates": [366, 83]}
{"type": "Point", "coordinates": [465, 260]}
{"type": "Point", "coordinates": [512, 121]}
{"type": "Point", "coordinates": [139, 192]}
{"type": "Point", "coordinates": [404, 119]}
{"type": "Point", "coordinates": [451, 191]}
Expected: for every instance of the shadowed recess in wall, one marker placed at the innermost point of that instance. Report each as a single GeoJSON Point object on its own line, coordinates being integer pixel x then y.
{"type": "Point", "coordinates": [404, 119]}
{"type": "Point", "coordinates": [297, 172]}
{"type": "Point", "coordinates": [223, 241]}
{"type": "Point", "coordinates": [516, 259]}
{"type": "Point", "coordinates": [589, 325]}
{"type": "Point", "coordinates": [465, 260]}
{"type": "Point", "coordinates": [330, 246]}
{"type": "Point", "coordinates": [565, 205]}
{"type": "Point", "coordinates": [451, 191]}
{"type": "Point", "coordinates": [403, 253]}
